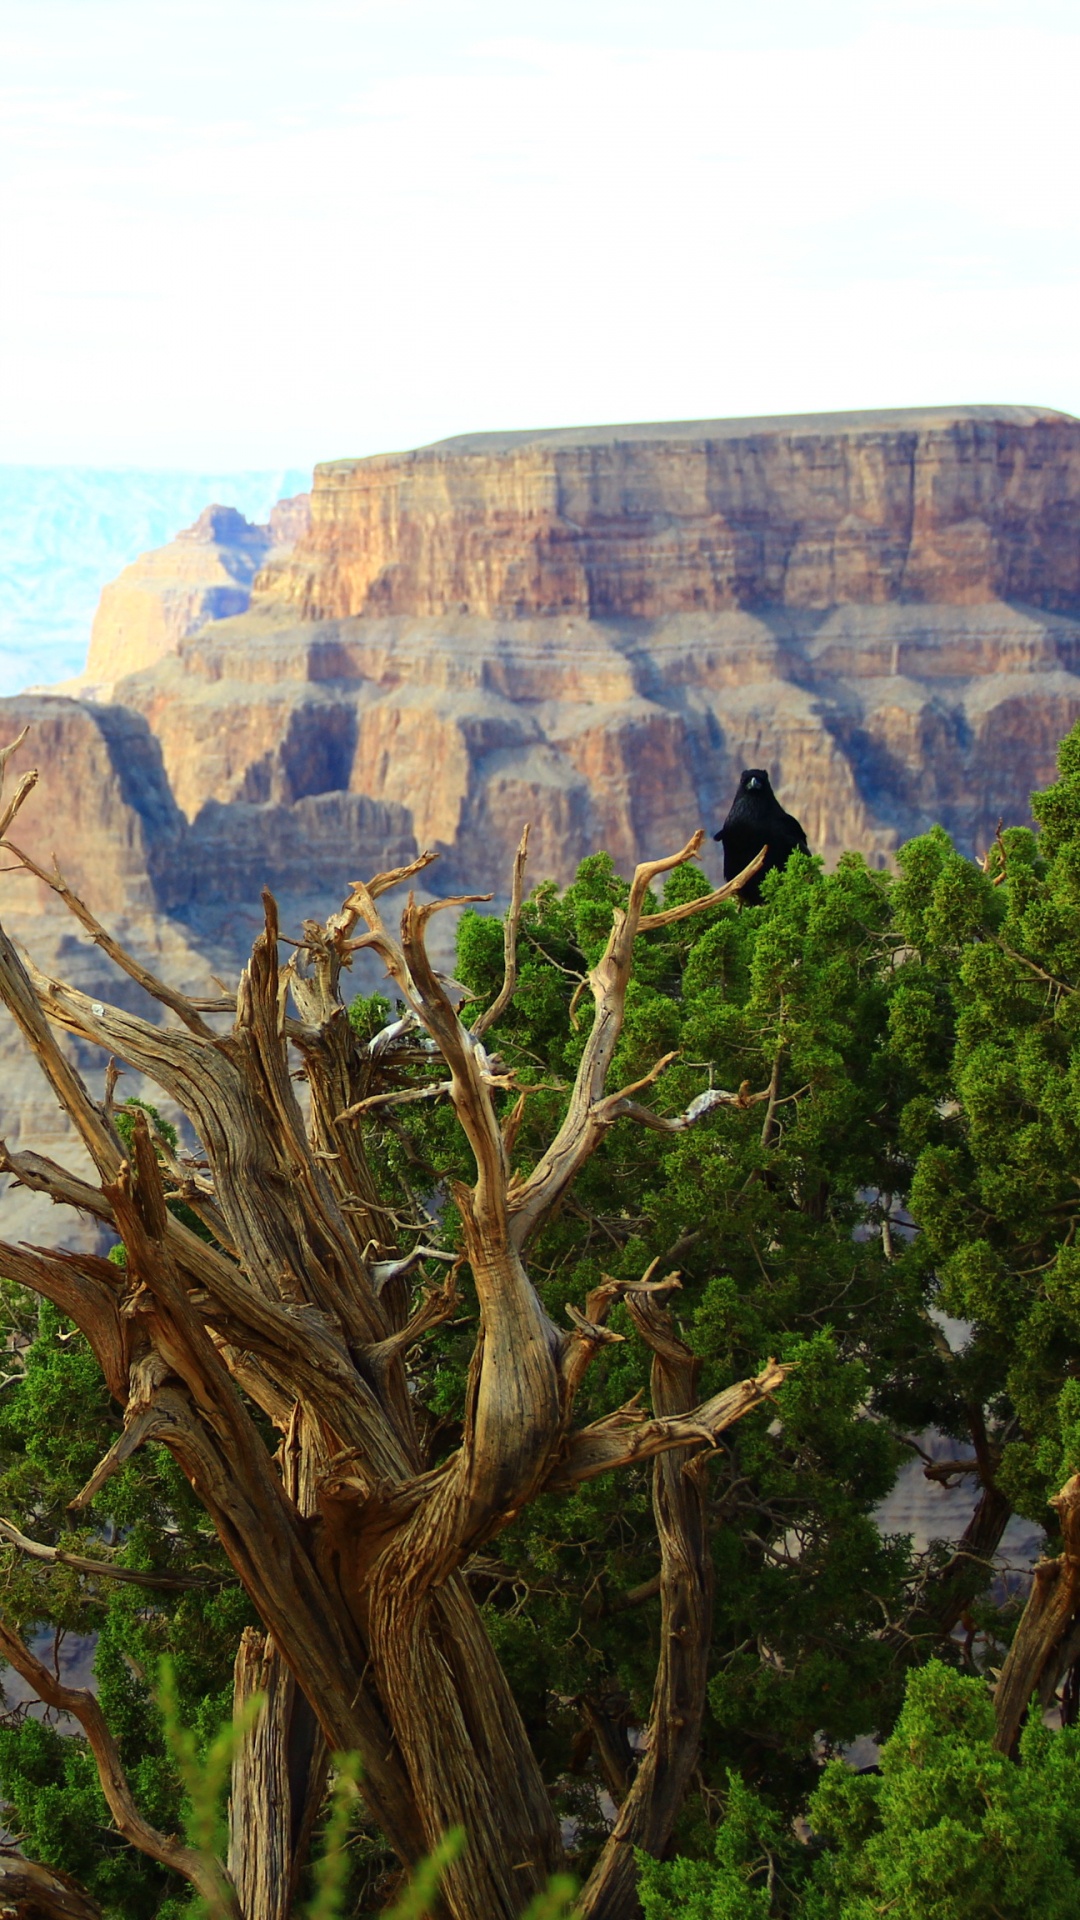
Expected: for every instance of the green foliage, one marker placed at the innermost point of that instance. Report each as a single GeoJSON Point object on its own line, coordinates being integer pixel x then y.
{"type": "Point", "coordinates": [56, 1423]}
{"type": "Point", "coordinates": [988, 1009]}
{"type": "Point", "coordinates": [918, 1036]}
{"type": "Point", "coordinates": [777, 1235]}
{"type": "Point", "coordinates": [949, 1830]}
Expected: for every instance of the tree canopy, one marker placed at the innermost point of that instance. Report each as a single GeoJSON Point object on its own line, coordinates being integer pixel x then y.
{"type": "Point", "coordinates": [839, 1167]}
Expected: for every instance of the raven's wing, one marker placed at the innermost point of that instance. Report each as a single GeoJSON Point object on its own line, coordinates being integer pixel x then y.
{"type": "Point", "coordinates": [741, 844]}
{"type": "Point", "coordinates": [797, 832]}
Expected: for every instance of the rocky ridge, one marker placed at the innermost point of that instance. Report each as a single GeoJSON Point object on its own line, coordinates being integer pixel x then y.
{"type": "Point", "coordinates": [595, 629]}
{"type": "Point", "coordinates": [592, 630]}
{"type": "Point", "coordinates": [206, 573]}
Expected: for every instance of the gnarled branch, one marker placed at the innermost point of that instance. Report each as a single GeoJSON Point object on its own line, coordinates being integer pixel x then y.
{"type": "Point", "coordinates": [628, 1436]}
{"type": "Point", "coordinates": [584, 1122]}
{"type": "Point", "coordinates": [647, 1815]}
{"type": "Point", "coordinates": [32, 1892]}
{"type": "Point", "coordinates": [177, 1003]}
{"type": "Point", "coordinates": [510, 936]}
{"type": "Point", "coordinates": [100, 1569]}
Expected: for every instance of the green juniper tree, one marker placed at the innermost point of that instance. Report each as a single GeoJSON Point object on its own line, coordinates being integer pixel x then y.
{"type": "Point", "coordinates": [891, 1140]}
{"type": "Point", "coordinates": [983, 1017]}
{"type": "Point", "coordinates": [950, 1829]}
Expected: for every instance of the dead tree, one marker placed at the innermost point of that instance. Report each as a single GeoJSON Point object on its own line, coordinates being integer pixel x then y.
{"type": "Point", "coordinates": [350, 1546]}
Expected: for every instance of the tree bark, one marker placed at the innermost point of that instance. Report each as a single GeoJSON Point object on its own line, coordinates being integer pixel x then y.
{"type": "Point", "coordinates": [279, 1774]}
{"type": "Point", "coordinates": [1044, 1624]}
{"type": "Point", "coordinates": [32, 1892]}
{"type": "Point", "coordinates": [673, 1736]}
{"type": "Point", "coordinates": [349, 1549]}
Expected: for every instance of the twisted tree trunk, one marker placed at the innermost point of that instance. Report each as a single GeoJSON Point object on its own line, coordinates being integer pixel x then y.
{"type": "Point", "coordinates": [351, 1549]}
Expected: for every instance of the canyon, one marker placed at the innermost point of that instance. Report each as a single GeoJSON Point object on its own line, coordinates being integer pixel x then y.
{"type": "Point", "coordinates": [592, 630]}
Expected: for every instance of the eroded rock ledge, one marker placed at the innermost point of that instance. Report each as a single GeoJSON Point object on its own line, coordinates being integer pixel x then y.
{"type": "Point", "coordinates": [591, 629]}
{"type": "Point", "coordinates": [955, 505]}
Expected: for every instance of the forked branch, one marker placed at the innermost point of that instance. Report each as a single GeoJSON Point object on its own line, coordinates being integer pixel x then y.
{"type": "Point", "coordinates": [510, 938]}
{"type": "Point", "coordinates": [159, 990]}
{"type": "Point", "coordinates": [628, 1436]}
{"type": "Point", "coordinates": [587, 1114]}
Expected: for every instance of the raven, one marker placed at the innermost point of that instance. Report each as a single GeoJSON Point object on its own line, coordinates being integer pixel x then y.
{"type": "Point", "coordinates": [757, 820]}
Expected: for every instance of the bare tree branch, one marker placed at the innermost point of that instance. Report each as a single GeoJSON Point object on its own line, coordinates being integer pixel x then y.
{"type": "Point", "coordinates": [585, 1119]}
{"type": "Point", "coordinates": [510, 936]}
{"type": "Point", "coordinates": [629, 1436]}
{"type": "Point", "coordinates": [208, 1877]}
{"type": "Point", "coordinates": [103, 1569]}
{"type": "Point", "coordinates": [648, 1813]}
{"type": "Point", "coordinates": [24, 1002]}
{"type": "Point", "coordinates": [177, 1003]}
{"type": "Point", "coordinates": [25, 787]}
{"type": "Point", "coordinates": [650, 921]}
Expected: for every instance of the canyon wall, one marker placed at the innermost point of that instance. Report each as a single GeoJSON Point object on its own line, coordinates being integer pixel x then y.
{"type": "Point", "coordinates": [204, 574]}
{"type": "Point", "coordinates": [958, 506]}
{"type": "Point", "coordinates": [594, 630]}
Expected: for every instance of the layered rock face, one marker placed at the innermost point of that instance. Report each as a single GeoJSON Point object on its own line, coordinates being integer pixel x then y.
{"type": "Point", "coordinates": [959, 506]}
{"type": "Point", "coordinates": [204, 574]}
{"type": "Point", "coordinates": [595, 630]}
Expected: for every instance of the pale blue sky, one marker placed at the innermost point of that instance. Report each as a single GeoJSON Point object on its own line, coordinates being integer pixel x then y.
{"type": "Point", "coordinates": [258, 231]}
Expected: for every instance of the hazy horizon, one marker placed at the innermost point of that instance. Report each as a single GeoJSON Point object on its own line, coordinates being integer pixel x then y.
{"type": "Point", "coordinates": [67, 530]}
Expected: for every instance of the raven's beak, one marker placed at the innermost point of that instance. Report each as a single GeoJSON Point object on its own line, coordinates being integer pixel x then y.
{"type": "Point", "coordinates": [753, 783]}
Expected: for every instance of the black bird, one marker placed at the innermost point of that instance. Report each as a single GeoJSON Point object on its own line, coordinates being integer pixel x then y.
{"type": "Point", "coordinates": [757, 820]}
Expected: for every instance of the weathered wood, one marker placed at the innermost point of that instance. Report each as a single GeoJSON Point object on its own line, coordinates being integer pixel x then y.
{"type": "Point", "coordinates": [351, 1552]}
{"type": "Point", "coordinates": [1051, 1607]}
{"type": "Point", "coordinates": [279, 1774]}
{"type": "Point", "coordinates": [32, 1892]}
{"type": "Point", "coordinates": [672, 1741]}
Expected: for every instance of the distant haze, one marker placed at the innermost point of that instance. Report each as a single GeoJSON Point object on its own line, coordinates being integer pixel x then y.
{"type": "Point", "coordinates": [66, 531]}
{"type": "Point", "coordinates": [261, 232]}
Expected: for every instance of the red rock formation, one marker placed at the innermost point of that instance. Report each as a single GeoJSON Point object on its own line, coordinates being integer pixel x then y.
{"type": "Point", "coordinates": [204, 574]}
{"type": "Point", "coordinates": [826, 598]}
{"type": "Point", "coordinates": [955, 505]}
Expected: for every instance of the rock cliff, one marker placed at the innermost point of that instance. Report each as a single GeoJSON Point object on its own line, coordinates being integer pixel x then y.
{"type": "Point", "coordinates": [959, 506]}
{"type": "Point", "coordinates": [594, 630]}
{"type": "Point", "coordinates": [204, 574]}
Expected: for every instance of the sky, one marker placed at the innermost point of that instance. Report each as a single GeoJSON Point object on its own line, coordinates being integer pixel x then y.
{"type": "Point", "coordinates": [253, 233]}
